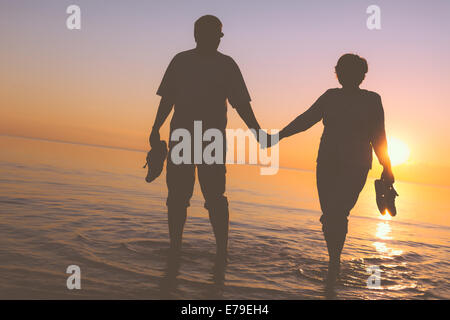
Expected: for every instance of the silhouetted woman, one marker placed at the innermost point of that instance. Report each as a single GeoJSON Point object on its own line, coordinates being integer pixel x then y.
{"type": "Point", "coordinates": [353, 120]}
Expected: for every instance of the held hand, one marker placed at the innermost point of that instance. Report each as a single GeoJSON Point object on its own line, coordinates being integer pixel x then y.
{"type": "Point", "coordinates": [262, 138]}
{"type": "Point", "coordinates": [268, 141]}
{"type": "Point", "coordinates": [154, 137]}
{"type": "Point", "coordinates": [388, 175]}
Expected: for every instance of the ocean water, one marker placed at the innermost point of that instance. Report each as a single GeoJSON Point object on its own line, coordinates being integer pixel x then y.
{"type": "Point", "coordinates": [64, 204]}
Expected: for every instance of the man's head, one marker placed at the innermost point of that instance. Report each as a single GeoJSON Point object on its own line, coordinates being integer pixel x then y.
{"type": "Point", "coordinates": [351, 70]}
{"type": "Point", "coordinates": [207, 32]}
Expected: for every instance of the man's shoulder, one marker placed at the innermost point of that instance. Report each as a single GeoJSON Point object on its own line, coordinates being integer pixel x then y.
{"type": "Point", "coordinates": [183, 55]}
{"type": "Point", "coordinates": [192, 54]}
{"type": "Point", "coordinates": [226, 58]}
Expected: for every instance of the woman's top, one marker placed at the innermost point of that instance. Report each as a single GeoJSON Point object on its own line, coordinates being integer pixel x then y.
{"type": "Point", "coordinates": [353, 122]}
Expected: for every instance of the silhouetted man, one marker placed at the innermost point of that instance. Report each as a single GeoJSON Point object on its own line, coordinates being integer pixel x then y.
{"type": "Point", "coordinates": [197, 84]}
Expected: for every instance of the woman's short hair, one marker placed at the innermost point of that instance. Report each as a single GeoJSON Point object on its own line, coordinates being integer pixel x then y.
{"type": "Point", "coordinates": [351, 69]}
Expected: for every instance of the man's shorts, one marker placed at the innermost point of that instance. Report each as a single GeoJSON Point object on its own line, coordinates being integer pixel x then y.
{"type": "Point", "coordinates": [180, 180]}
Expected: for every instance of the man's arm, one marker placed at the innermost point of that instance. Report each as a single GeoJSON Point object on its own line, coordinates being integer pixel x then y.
{"type": "Point", "coordinates": [245, 111]}
{"type": "Point", "coordinates": [164, 109]}
{"type": "Point", "coordinates": [239, 98]}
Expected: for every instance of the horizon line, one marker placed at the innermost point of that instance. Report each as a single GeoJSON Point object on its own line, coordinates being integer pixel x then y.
{"type": "Point", "coordinates": [94, 145]}
{"type": "Point", "coordinates": [114, 147]}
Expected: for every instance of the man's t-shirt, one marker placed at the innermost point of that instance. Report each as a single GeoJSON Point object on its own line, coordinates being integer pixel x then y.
{"type": "Point", "coordinates": [199, 86]}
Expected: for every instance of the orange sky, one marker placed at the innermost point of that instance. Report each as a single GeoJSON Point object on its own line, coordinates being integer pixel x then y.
{"type": "Point", "coordinates": [97, 85]}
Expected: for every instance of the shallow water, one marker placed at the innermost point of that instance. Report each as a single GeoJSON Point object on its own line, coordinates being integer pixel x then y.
{"type": "Point", "coordinates": [64, 204]}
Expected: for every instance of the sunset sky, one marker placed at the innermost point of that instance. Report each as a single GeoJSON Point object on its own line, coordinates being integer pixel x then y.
{"type": "Point", "coordinates": [97, 85]}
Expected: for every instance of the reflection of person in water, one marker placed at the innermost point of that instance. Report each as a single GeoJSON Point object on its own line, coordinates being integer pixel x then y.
{"type": "Point", "coordinates": [353, 121]}
{"type": "Point", "coordinates": [196, 85]}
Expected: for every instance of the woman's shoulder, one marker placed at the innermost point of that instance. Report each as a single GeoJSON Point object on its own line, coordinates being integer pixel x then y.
{"type": "Point", "coordinates": [370, 94]}
{"type": "Point", "coordinates": [330, 93]}
{"type": "Point", "coordinates": [372, 101]}
{"type": "Point", "coordinates": [363, 92]}
{"type": "Point", "coordinates": [333, 91]}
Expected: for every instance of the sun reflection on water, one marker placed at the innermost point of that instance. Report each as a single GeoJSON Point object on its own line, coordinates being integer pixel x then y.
{"type": "Point", "coordinates": [383, 232]}
{"type": "Point", "coordinates": [384, 235]}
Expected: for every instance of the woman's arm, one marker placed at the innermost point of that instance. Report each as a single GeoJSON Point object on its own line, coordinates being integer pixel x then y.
{"type": "Point", "coordinates": [306, 120]}
{"type": "Point", "coordinates": [379, 142]}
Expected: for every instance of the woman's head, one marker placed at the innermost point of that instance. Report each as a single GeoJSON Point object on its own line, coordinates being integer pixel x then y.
{"type": "Point", "coordinates": [351, 70]}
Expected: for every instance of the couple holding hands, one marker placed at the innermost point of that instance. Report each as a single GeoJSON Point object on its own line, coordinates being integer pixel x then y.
{"type": "Point", "coordinates": [197, 84]}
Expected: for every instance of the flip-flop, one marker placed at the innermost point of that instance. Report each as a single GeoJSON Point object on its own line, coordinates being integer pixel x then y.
{"type": "Point", "coordinates": [385, 197]}
{"type": "Point", "coordinates": [155, 161]}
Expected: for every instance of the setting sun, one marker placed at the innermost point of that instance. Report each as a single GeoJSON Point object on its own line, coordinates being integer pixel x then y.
{"type": "Point", "coordinates": [398, 151]}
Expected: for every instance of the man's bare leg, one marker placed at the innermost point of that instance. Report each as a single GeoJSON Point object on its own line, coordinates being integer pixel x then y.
{"type": "Point", "coordinates": [219, 218]}
{"type": "Point", "coordinates": [176, 219]}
